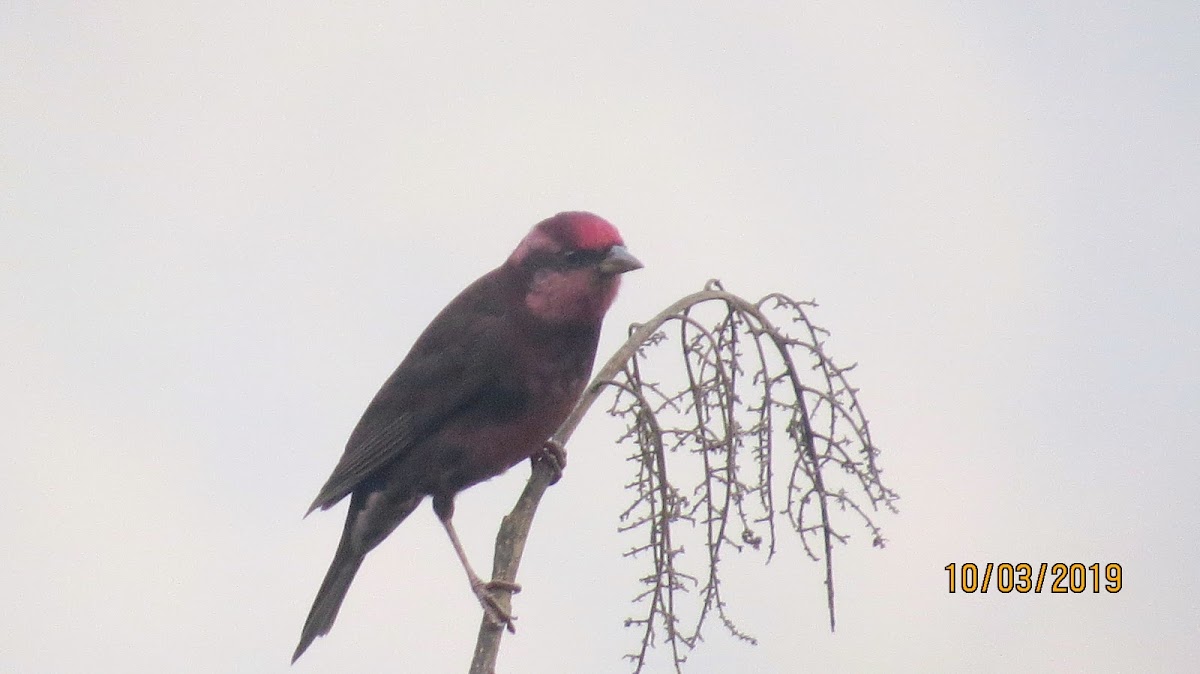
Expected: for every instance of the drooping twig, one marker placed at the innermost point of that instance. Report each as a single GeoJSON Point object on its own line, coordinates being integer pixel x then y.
{"type": "Point", "coordinates": [773, 406]}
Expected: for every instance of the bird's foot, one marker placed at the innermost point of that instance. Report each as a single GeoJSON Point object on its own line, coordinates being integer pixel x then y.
{"type": "Point", "coordinates": [554, 456]}
{"type": "Point", "coordinates": [491, 606]}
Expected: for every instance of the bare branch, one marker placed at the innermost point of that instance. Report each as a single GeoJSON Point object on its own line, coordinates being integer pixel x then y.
{"type": "Point", "coordinates": [744, 397]}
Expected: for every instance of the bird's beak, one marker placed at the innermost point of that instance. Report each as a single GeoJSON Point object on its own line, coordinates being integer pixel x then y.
{"type": "Point", "coordinates": [619, 261]}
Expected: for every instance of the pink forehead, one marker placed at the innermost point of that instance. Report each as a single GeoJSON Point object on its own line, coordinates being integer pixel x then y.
{"type": "Point", "coordinates": [571, 230]}
{"type": "Point", "coordinates": [584, 230]}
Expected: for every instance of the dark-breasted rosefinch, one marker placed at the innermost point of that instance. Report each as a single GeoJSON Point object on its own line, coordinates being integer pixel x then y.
{"type": "Point", "coordinates": [482, 389]}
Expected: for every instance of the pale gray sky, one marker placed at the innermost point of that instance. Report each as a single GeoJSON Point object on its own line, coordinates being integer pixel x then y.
{"type": "Point", "coordinates": [221, 227]}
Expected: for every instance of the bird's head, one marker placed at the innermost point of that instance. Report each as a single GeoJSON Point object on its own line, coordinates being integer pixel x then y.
{"type": "Point", "coordinates": [570, 267]}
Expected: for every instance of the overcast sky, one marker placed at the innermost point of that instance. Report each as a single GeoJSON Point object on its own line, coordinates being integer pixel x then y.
{"type": "Point", "coordinates": [222, 226]}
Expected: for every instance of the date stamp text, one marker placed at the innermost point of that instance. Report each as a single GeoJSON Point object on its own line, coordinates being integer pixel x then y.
{"type": "Point", "coordinates": [1058, 578]}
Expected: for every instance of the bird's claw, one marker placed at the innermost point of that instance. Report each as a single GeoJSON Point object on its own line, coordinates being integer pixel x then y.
{"type": "Point", "coordinates": [554, 456]}
{"type": "Point", "coordinates": [507, 586]}
{"type": "Point", "coordinates": [495, 613]}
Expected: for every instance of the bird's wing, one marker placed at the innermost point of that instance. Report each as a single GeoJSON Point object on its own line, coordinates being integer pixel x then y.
{"type": "Point", "coordinates": [457, 361]}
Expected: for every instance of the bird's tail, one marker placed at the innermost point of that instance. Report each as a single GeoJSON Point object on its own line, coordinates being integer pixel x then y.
{"type": "Point", "coordinates": [368, 521]}
{"type": "Point", "coordinates": [329, 598]}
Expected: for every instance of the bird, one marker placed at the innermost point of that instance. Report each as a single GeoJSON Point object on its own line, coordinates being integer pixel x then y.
{"type": "Point", "coordinates": [481, 390]}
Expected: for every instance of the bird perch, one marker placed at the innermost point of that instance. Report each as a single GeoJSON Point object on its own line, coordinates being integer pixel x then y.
{"type": "Point", "coordinates": [715, 365]}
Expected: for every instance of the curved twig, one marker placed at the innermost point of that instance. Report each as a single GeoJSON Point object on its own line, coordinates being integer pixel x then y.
{"type": "Point", "coordinates": [713, 364]}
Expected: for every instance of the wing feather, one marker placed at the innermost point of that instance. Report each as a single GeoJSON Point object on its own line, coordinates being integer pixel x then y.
{"type": "Point", "coordinates": [452, 364]}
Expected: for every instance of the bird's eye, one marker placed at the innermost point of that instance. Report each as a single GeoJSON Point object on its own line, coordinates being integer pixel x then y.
{"type": "Point", "coordinates": [581, 258]}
